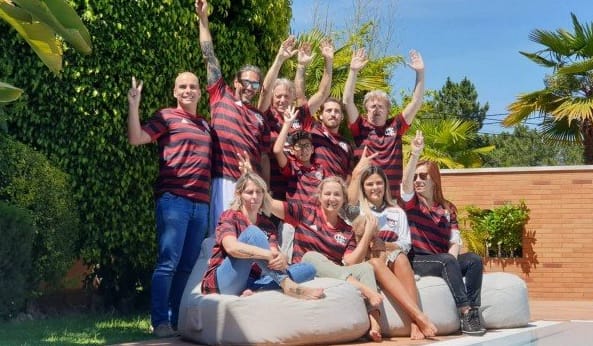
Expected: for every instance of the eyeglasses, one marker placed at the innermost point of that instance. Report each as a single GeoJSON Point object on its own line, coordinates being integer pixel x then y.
{"type": "Point", "coordinates": [254, 84]}
{"type": "Point", "coordinates": [422, 176]}
{"type": "Point", "coordinates": [306, 146]}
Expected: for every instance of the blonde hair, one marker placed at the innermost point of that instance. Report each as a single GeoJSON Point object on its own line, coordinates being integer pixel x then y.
{"type": "Point", "coordinates": [377, 95]}
{"type": "Point", "coordinates": [241, 185]}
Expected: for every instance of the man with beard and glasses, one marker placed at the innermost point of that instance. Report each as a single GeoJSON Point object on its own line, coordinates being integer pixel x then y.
{"type": "Point", "coordinates": [237, 125]}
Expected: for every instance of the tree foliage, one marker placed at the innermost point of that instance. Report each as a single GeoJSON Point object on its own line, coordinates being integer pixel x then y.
{"type": "Point", "coordinates": [526, 148]}
{"type": "Point", "coordinates": [564, 106]}
{"type": "Point", "coordinates": [460, 100]}
{"type": "Point", "coordinates": [79, 120]}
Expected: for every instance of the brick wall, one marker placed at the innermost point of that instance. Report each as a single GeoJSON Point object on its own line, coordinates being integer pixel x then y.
{"type": "Point", "coordinates": [558, 245]}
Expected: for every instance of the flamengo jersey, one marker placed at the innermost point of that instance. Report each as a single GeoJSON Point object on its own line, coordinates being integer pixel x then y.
{"type": "Point", "coordinates": [185, 152]}
{"type": "Point", "coordinates": [303, 182]}
{"type": "Point", "coordinates": [332, 151]}
{"type": "Point", "coordinates": [232, 223]}
{"type": "Point", "coordinates": [236, 127]}
{"type": "Point", "coordinates": [312, 233]}
{"type": "Point", "coordinates": [387, 141]}
{"type": "Point", "coordinates": [430, 227]}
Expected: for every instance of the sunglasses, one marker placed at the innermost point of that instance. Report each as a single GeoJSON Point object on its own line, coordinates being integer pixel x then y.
{"type": "Point", "coordinates": [422, 176]}
{"type": "Point", "coordinates": [254, 84]}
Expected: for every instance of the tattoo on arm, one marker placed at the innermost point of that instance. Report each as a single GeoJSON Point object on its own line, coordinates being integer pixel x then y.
{"type": "Point", "coordinates": [212, 64]}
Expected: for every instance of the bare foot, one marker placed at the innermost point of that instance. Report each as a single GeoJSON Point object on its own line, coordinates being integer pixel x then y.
{"type": "Point", "coordinates": [427, 328]}
{"type": "Point", "coordinates": [247, 293]}
{"type": "Point", "coordinates": [415, 333]}
{"type": "Point", "coordinates": [375, 330]}
{"type": "Point", "coordinates": [375, 298]}
{"type": "Point", "coordinates": [292, 289]}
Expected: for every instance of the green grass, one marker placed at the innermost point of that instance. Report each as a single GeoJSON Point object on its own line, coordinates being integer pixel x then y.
{"type": "Point", "coordinates": [90, 329]}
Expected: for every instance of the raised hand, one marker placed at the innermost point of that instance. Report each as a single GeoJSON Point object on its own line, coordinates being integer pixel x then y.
{"type": "Point", "coordinates": [327, 48]}
{"type": "Point", "coordinates": [305, 55]}
{"type": "Point", "coordinates": [201, 8]}
{"type": "Point", "coordinates": [416, 63]}
{"type": "Point", "coordinates": [135, 93]}
{"type": "Point", "coordinates": [287, 49]}
{"type": "Point", "coordinates": [290, 114]}
{"type": "Point", "coordinates": [371, 224]}
{"type": "Point", "coordinates": [418, 143]}
{"type": "Point", "coordinates": [359, 59]}
{"type": "Point", "coordinates": [244, 163]}
{"type": "Point", "coordinates": [365, 162]}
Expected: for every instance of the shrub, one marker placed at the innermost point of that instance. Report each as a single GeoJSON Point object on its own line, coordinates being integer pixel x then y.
{"type": "Point", "coordinates": [16, 228]}
{"type": "Point", "coordinates": [29, 181]}
{"type": "Point", "coordinates": [497, 232]}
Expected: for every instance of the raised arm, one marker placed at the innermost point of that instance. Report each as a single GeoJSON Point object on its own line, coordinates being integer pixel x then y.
{"type": "Point", "coordinates": [213, 73]}
{"type": "Point", "coordinates": [359, 59]}
{"type": "Point", "coordinates": [417, 64]}
{"type": "Point", "coordinates": [285, 52]}
{"type": "Point", "coordinates": [408, 179]}
{"type": "Point", "coordinates": [289, 115]}
{"type": "Point", "coordinates": [304, 58]}
{"type": "Point", "coordinates": [317, 99]}
{"type": "Point", "coordinates": [136, 135]}
{"type": "Point", "coordinates": [354, 184]}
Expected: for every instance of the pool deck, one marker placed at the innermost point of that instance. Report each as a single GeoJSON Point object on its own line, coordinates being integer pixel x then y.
{"type": "Point", "coordinates": [541, 310]}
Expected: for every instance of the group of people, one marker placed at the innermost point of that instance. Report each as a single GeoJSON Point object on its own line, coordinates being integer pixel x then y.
{"type": "Point", "coordinates": [280, 193]}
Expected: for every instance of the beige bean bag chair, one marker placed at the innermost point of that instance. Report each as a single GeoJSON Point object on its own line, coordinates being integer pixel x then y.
{"type": "Point", "coordinates": [505, 304]}
{"type": "Point", "coordinates": [270, 317]}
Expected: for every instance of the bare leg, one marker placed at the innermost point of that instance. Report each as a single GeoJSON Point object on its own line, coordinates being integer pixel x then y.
{"type": "Point", "coordinates": [293, 289]}
{"type": "Point", "coordinates": [375, 331]}
{"type": "Point", "coordinates": [373, 296]}
{"type": "Point", "coordinates": [392, 285]}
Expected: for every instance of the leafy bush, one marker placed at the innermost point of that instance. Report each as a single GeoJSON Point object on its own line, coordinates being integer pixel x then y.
{"type": "Point", "coordinates": [29, 181]}
{"type": "Point", "coordinates": [16, 228]}
{"type": "Point", "coordinates": [79, 119]}
{"type": "Point", "coordinates": [497, 232]}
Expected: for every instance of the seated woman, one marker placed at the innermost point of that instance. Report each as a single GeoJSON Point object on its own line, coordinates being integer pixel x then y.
{"type": "Point", "coordinates": [436, 240]}
{"type": "Point", "coordinates": [246, 249]}
{"type": "Point", "coordinates": [390, 245]}
{"type": "Point", "coordinates": [323, 239]}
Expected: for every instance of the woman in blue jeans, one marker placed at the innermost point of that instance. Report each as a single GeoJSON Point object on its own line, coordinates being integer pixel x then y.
{"type": "Point", "coordinates": [435, 238]}
{"type": "Point", "coordinates": [246, 255]}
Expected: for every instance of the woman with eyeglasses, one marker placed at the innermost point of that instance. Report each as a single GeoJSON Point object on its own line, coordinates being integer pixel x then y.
{"type": "Point", "coordinates": [436, 240]}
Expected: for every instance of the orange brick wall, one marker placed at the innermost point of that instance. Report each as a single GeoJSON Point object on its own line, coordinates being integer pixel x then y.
{"type": "Point", "coordinates": [558, 244]}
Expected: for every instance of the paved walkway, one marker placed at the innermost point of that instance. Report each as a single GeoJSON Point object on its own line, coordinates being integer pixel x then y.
{"type": "Point", "coordinates": [549, 310]}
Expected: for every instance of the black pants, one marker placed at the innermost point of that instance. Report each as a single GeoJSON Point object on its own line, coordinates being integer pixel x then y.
{"type": "Point", "coordinates": [452, 270]}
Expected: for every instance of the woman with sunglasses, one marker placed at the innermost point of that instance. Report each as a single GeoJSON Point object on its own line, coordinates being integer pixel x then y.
{"type": "Point", "coordinates": [436, 240]}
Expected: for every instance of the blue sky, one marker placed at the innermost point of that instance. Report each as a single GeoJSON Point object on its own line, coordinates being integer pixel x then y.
{"type": "Point", "coordinates": [476, 39]}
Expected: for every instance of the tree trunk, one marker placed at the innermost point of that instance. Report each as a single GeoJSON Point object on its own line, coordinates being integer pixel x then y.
{"type": "Point", "coordinates": [587, 132]}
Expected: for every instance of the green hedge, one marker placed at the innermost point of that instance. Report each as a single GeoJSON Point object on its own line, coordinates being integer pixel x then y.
{"type": "Point", "coordinates": [79, 118]}
{"type": "Point", "coordinates": [16, 227]}
{"type": "Point", "coordinates": [29, 181]}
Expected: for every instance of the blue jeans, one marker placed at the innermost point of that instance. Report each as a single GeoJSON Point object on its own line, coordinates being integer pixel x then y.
{"type": "Point", "coordinates": [468, 265]}
{"type": "Point", "coordinates": [233, 274]}
{"type": "Point", "coordinates": [181, 226]}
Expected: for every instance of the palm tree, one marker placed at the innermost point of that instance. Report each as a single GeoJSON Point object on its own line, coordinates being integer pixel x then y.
{"type": "Point", "coordinates": [448, 142]}
{"type": "Point", "coordinates": [565, 105]}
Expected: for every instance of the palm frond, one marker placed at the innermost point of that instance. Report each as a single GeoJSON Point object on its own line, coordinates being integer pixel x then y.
{"type": "Point", "coordinates": [539, 60]}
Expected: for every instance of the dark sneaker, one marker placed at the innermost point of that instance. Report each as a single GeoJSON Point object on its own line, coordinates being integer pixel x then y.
{"type": "Point", "coordinates": [476, 312]}
{"type": "Point", "coordinates": [470, 324]}
{"type": "Point", "coordinates": [164, 330]}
